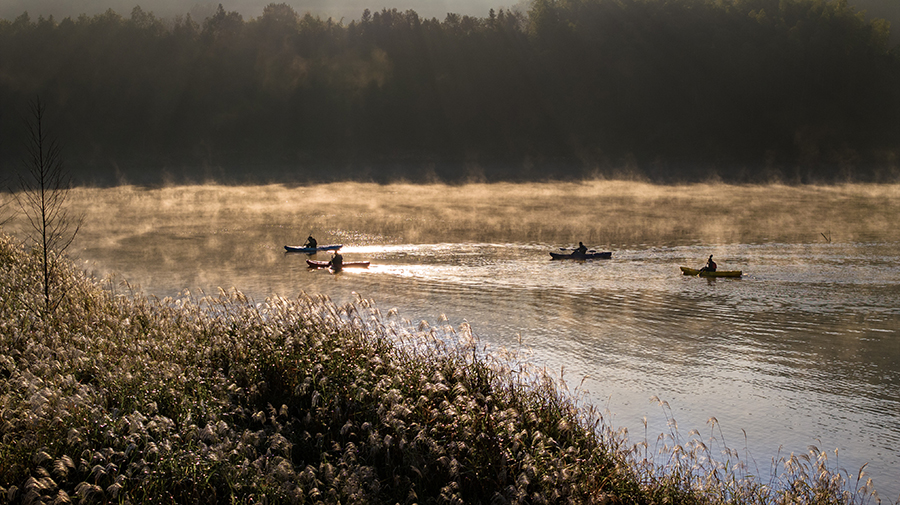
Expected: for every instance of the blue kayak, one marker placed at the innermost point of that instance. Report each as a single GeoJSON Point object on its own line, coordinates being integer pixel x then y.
{"type": "Point", "coordinates": [310, 250]}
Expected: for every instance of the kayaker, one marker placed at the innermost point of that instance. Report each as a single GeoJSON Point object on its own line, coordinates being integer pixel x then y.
{"type": "Point", "coordinates": [311, 242]}
{"type": "Point", "coordinates": [710, 265]}
{"type": "Point", "coordinates": [581, 249]}
{"type": "Point", "coordinates": [336, 262]}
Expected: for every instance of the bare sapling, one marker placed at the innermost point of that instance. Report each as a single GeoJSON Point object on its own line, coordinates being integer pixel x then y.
{"type": "Point", "coordinates": [4, 200]}
{"type": "Point", "coordinates": [44, 186]}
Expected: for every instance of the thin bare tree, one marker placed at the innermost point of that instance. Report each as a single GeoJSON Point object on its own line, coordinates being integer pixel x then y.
{"type": "Point", "coordinates": [44, 191]}
{"type": "Point", "coordinates": [4, 201]}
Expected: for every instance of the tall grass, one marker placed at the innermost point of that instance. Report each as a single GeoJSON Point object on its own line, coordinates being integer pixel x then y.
{"type": "Point", "coordinates": [118, 397]}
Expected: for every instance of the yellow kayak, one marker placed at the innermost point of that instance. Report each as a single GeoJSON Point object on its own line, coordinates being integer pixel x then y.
{"type": "Point", "coordinates": [717, 273]}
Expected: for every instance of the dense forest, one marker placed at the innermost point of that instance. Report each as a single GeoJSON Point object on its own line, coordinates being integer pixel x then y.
{"type": "Point", "coordinates": [743, 90]}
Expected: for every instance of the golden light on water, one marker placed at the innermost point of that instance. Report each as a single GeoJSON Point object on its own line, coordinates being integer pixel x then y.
{"type": "Point", "coordinates": [596, 212]}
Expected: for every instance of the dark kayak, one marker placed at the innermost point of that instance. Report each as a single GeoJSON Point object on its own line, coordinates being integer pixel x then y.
{"type": "Point", "coordinates": [346, 264]}
{"type": "Point", "coordinates": [310, 250]}
{"type": "Point", "coordinates": [586, 256]}
{"type": "Point", "coordinates": [705, 273]}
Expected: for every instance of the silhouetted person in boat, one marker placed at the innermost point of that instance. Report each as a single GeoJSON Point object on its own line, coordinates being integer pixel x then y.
{"type": "Point", "coordinates": [336, 262]}
{"type": "Point", "coordinates": [311, 242]}
{"type": "Point", "coordinates": [581, 250]}
{"type": "Point", "coordinates": [710, 265]}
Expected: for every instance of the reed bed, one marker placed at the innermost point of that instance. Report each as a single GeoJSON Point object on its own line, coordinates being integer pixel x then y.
{"type": "Point", "coordinates": [120, 398]}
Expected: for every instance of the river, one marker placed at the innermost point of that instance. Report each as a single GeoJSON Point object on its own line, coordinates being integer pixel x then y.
{"type": "Point", "coordinates": [803, 349]}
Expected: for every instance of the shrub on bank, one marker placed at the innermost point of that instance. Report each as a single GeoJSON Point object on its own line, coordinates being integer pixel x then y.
{"type": "Point", "coordinates": [117, 397]}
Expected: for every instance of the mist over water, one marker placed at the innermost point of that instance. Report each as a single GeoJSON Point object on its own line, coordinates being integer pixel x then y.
{"type": "Point", "coordinates": [803, 350]}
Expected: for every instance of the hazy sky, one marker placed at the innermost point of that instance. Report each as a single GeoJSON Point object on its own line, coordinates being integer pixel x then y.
{"type": "Point", "coordinates": [347, 9]}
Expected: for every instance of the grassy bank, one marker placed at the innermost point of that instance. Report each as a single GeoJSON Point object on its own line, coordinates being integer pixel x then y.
{"type": "Point", "coordinates": [116, 397]}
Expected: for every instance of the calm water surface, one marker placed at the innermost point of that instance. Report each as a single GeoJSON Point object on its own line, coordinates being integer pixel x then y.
{"type": "Point", "coordinates": [803, 350]}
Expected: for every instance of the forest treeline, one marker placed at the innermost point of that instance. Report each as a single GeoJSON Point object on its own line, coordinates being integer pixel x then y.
{"type": "Point", "coordinates": [745, 90]}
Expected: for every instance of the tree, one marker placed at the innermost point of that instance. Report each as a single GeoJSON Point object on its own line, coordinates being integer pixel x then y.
{"type": "Point", "coordinates": [44, 191]}
{"type": "Point", "coordinates": [3, 200]}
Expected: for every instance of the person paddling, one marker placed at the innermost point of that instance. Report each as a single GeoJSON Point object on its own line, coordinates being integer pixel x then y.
{"type": "Point", "coordinates": [336, 262]}
{"type": "Point", "coordinates": [581, 250]}
{"type": "Point", "coordinates": [710, 265]}
{"type": "Point", "coordinates": [311, 242]}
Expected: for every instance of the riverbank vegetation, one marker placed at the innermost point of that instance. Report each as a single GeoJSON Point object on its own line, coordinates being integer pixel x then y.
{"type": "Point", "coordinates": [117, 397]}
{"type": "Point", "coordinates": [758, 90]}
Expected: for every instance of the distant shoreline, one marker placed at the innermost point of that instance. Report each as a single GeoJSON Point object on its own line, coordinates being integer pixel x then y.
{"type": "Point", "coordinates": [797, 91]}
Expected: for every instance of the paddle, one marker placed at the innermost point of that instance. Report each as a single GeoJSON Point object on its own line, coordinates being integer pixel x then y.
{"type": "Point", "coordinates": [566, 249]}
